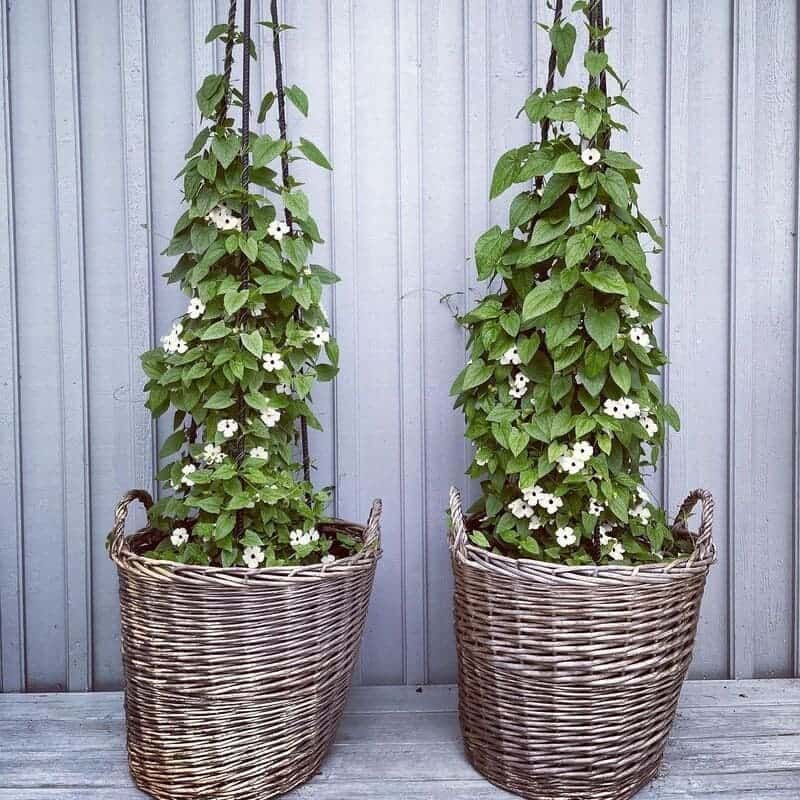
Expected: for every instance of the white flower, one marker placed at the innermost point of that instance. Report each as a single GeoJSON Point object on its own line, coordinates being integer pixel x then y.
{"type": "Point", "coordinates": [520, 380]}
{"type": "Point", "coordinates": [179, 536]}
{"type": "Point", "coordinates": [260, 452]}
{"type": "Point", "coordinates": [617, 551]}
{"type": "Point", "coordinates": [630, 408]}
{"type": "Point", "coordinates": [328, 559]}
{"type": "Point", "coordinates": [212, 454]}
{"type": "Point", "coordinates": [533, 494]}
{"type": "Point", "coordinates": [582, 450]}
{"type": "Point", "coordinates": [650, 425]}
{"type": "Point", "coordinates": [639, 336]}
{"type": "Point", "coordinates": [590, 156]}
{"type": "Point", "coordinates": [642, 512]}
{"type": "Point", "coordinates": [518, 392]}
{"type": "Point", "coordinates": [253, 556]}
{"type": "Point", "coordinates": [595, 508]}
{"type": "Point", "coordinates": [270, 417]}
{"type": "Point", "coordinates": [570, 464]}
{"type": "Point", "coordinates": [604, 531]}
{"type": "Point", "coordinates": [305, 539]}
{"type": "Point", "coordinates": [613, 408]}
{"type": "Point", "coordinates": [294, 537]}
{"type": "Point", "coordinates": [566, 536]}
{"type": "Point", "coordinates": [320, 336]}
{"type": "Point", "coordinates": [224, 219]}
{"type": "Point", "coordinates": [277, 229]}
{"type": "Point", "coordinates": [272, 361]}
{"type": "Point", "coordinates": [628, 311]}
{"type": "Point", "coordinates": [172, 342]}
{"type": "Point", "coordinates": [283, 388]}
{"type": "Point", "coordinates": [511, 356]}
{"type": "Point", "coordinates": [187, 470]}
{"type": "Point", "coordinates": [196, 308]}
{"type": "Point", "coordinates": [535, 522]}
{"type": "Point", "coordinates": [314, 534]}
{"type": "Point", "coordinates": [227, 427]}
{"type": "Point", "coordinates": [520, 509]}
{"type": "Point", "coordinates": [550, 503]}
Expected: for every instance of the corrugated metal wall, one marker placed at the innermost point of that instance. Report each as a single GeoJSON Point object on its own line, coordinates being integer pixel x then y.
{"type": "Point", "coordinates": [414, 101]}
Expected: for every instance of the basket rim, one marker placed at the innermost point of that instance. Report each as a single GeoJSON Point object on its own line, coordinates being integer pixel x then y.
{"type": "Point", "coordinates": [126, 557]}
{"type": "Point", "coordinates": [699, 561]}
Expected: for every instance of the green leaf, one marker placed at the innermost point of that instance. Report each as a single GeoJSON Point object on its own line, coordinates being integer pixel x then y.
{"type": "Point", "coordinates": [588, 120]}
{"type": "Point", "coordinates": [271, 284]}
{"type": "Point", "coordinates": [313, 153]}
{"type": "Point", "coordinates": [607, 280]}
{"type": "Point", "coordinates": [517, 440]}
{"type": "Point", "coordinates": [619, 160]}
{"type": "Point", "coordinates": [253, 343]}
{"type": "Point", "coordinates": [615, 187]}
{"type": "Point", "coordinates": [578, 247]}
{"type": "Point", "coordinates": [671, 416]}
{"type": "Point", "coordinates": [298, 98]}
{"type": "Point", "coordinates": [234, 300]}
{"type": "Point", "coordinates": [216, 331]}
{"type": "Point", "coordinates": [554, 188]}
{"type": "Point", "coordinates": [266, 149]}
{"type": "Point", "coordinates": [216, 31]}
{"type": "Point", "coordinates": [568, 162]}
{"type": "Point", "coordinates": [621, 375]}
{"type": "Point", "coordinates": [266, 104]}
{"type": "Point", "coordinates": [602, 326]}
{"type": "Point", "coordinates": [489, 249]}
{"type": "Point", "coordinates": [562, 37]}
{"type": "Point", "coordinates": [297, 203]}
{"type": "Point", "coordinates": [546, 231]}
{"type": "Point", "coordinates": [595, 62]}
{"type": "Point", "coordinates": [476, 374]}
{"type": "Point", "coordinates": [249, 246]}
{"type": "Point", "coordinates": [221, 399]}
{"type": "Point", "coordinates": [504, 173]}
{"type": "Point", "coordinates": [173, 443]}
{"type": "Point", "coordinates": [225, 148]}
{"type": "Point", "coordinates": [479, 539]}
{"type": "Point", "coordinates": [541, 299]}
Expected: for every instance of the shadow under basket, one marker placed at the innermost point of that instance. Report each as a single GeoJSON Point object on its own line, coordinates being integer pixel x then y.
{"type": "Point", "coordinates": [236, 679]}
{"type": "Point", "coordinates": [569, 677]}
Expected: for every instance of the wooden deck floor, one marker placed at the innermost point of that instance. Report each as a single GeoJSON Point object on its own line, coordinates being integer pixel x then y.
{"type": "Point", "coordinates": [732, 740]}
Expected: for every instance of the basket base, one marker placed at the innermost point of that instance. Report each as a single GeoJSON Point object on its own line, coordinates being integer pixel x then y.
{"type": "Point", "coordinates": [549, 789]}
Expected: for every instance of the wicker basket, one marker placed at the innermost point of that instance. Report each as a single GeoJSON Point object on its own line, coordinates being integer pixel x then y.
{"type": "Point", "coordinates": [235, 679]}
{"type": "Point", "coordinates": [569, 677]}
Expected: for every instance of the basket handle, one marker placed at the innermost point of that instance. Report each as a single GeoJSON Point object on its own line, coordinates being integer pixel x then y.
{"type": "Point", "coordinates": [117, 535]}
{"type": "Point", "coordinates": [704, 544]}
{"type": "Point", "coordinates": [372, 534]}
{"type": "Point", "coordinates": [458, 530]}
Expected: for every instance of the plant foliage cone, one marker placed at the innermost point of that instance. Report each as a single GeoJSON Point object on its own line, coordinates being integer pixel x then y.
{"type": "Point", "coordinates": [239, 366]}
{"type": "Point", "coordinates": [558, 391]}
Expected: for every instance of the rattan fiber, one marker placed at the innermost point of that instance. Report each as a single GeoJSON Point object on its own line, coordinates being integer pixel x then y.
{"type": "Point", "coordinates": [569, 677]}
{"type": "Point", "coordinates": [235, 679]}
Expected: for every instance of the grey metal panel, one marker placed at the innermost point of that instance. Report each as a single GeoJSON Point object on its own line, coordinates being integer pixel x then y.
{"type": "Point", "coordinates": [413, 102]}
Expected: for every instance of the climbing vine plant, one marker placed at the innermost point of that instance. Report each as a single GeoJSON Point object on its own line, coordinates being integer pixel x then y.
{"type": "Point", "coordinates": [239, 366]}
{"type": "Point", "coordinates": [558, 391]}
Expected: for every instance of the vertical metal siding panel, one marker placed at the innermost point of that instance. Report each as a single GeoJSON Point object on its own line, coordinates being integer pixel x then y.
{"type": "Point", "coordinates": [171, 121]}
{"type": "Point", "coordinates": [12, 626]}
{"type": "Point", "coordinates": [306, 64]}
{"type": "Point", "coordinates": [37, 294]}
{"type": "Point", "coordinates": [796, 420]}
{"type": "Point", "coordinates": [695, 321]}
{"type": "Point", "coordinates": [138, 226]}
{"type": "Point", "coordinates": [203, 16]}
{"type": "Point", "coordinates": [110, 401]}
{"type": "Point", "coordinates": [764, 407]}
{"type": "Point", "coordinates": [410, 138]}
{"type": "Point", "coordinates": [344, 256]}
{"type": "Point", "coordinates": [374, 313]}
{"type": "Point", "coordinates": [72, 342]}
{"type": "Point", "coordinates": [443, 160]}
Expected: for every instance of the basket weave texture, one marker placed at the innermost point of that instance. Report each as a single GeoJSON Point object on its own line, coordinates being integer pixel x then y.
{"type": "Point", "coordinates": [569, 677]}
{"type": "Point", "coordinates": [236, 679]}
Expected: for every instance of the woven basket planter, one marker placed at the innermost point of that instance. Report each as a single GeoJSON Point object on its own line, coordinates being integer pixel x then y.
{"type": "Point", "coordinates": [569, 677]}
{"type": "Point", "coordinates": [236, 679]}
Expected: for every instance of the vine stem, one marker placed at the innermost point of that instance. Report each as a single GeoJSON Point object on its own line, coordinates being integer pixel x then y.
{"type": "Point", "coordinates": [280, 93]}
